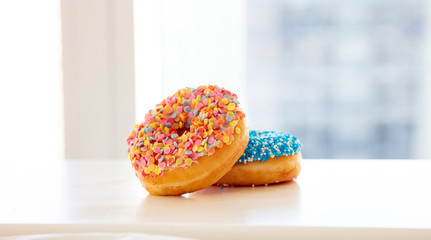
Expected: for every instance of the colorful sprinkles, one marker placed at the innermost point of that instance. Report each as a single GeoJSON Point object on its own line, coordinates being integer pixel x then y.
{"type": "Point", "coordinates": [268, 144]}
{"type": "Point", "coordinates": [185, 126]}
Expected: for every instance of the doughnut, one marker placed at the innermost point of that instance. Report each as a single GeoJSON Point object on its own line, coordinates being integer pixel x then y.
{"type": "Point", "coordinates": [270, 157]}
{"type": "Point", "coordinates": [189, 141]}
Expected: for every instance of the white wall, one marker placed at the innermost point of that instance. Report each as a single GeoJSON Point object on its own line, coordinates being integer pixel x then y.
{"type": "Point", "coordinates": [422, 142]}
{"type": "Point", "coordinates": [98, 73]}
{"type": "Point", "coordinates": [187, 43]}
{"type": "Point", "coordinates": [31, 119]}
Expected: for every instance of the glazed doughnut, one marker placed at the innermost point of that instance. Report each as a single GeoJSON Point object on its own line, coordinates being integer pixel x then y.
{"type": "Point", "coordinates": [189, 141]}
{"type": "Point", "coordinates": [270, 157]}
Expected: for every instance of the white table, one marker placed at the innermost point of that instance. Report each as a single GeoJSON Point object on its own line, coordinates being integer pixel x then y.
{"type": "Point", "coordinates": [332, 199]}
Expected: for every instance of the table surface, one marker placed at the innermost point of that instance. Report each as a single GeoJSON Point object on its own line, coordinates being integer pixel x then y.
{"type": "Point", "coordinates": [329, 194]}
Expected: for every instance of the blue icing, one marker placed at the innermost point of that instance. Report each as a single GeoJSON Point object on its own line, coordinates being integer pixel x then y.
{"type": "Point", "coordinates": [268, 144]}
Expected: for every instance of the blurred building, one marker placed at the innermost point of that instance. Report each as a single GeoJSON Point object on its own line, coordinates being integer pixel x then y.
{"type": "Point", "coordinates": [343, 76]}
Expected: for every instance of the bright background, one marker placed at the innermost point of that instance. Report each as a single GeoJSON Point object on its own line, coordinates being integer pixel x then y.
{"type": "Point", "coordinates": [31, 98]}
{"type": "Point", "coordinates": [349, 78]}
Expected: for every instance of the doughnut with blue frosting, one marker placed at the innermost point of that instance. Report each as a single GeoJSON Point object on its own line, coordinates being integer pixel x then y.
{"type": "Point", "coordinates": [270, 157]}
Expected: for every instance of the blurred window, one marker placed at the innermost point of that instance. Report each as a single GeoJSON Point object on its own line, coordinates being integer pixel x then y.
{"type": "Point", "coordinates": [346, 77]}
